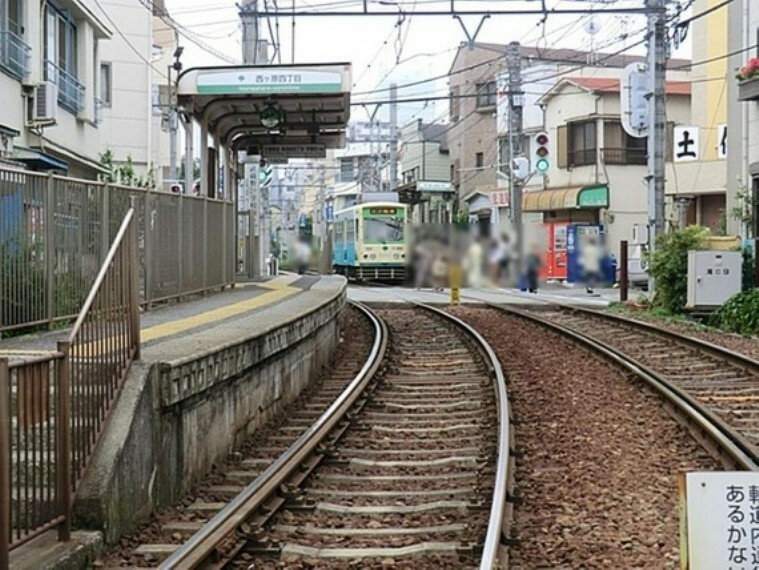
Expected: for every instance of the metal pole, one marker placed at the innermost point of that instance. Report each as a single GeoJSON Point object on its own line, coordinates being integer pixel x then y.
{"type": "Point", "coordinates": [657, 59]}
{"type": "Point", "coordinates": [623, 279]}
{"type": "Point", "coordinates": [394, 137]}
{"type": "Point", "coordinates": [5, 464]}
{"type": "Point", "coordinates": [172, 133]}
{"type": "Point", "coordinates": [50, 201]}
{"type": "Point", "coordinates": [63, 447]}
{"type": "Point", "coordinates": [515, 141]}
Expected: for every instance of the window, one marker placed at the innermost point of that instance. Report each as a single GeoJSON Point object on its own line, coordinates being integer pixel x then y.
{"type": "Point", "coordinates": [346, 170]}
{"type": "Point", "coordinates": [621, 148]}
{"type": "Point", "coordinates": [383, 229]}
{"type": "Point", "coordinates": [105, 84]}
{"type": "Point", "coordinates": [14, 52]}
{"type": "Point", "coordinates": [61, 58]}
{"type": "Point", "coordinates": [454, 104]}
{"type": "Point", "coordinates": [486, 94]}
{"type": "Point", "coordinates": [582, 143]}
{"type": "Point", "coordinates": [11, 16]}
{"type": "Point", "coordinates": [479, 160]}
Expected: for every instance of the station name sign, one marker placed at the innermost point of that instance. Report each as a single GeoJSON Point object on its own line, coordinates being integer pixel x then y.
{"type": "Point", "coordinates": [269, 81]}
{"type": "Point", "coordinates": [285, 151]}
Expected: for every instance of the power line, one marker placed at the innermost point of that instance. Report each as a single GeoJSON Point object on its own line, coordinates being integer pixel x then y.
{"type": "Point", "coordinates": [131, 46]}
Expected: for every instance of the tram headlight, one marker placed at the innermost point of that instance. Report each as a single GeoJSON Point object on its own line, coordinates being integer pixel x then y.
{"type": "Point", "coordinates": [372, 256]}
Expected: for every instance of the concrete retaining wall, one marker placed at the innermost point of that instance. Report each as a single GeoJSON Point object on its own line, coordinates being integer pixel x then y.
{"type": "Point", "coordinates": [173, 420]}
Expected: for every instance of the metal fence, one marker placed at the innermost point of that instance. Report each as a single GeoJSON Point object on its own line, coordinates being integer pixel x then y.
{"type": "Point", "coordinates": [52, 408]}
{"type": "Point", "coordinates": [55, 233]}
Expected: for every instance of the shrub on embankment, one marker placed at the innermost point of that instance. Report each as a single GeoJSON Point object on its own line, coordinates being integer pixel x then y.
{"type": "Point", "coordinates": [668, 265]}
{"type": "Point", "coordinates": [740, 314]}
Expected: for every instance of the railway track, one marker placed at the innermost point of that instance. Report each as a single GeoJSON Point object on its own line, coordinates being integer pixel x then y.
{"type": "Point", "coordinates": [711, 389]}
{"type": "Point", "coordinates": [409, 465]}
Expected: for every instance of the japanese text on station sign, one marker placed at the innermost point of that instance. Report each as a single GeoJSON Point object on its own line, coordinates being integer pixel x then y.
{"type": "Point", "coordinates": [722, 510]}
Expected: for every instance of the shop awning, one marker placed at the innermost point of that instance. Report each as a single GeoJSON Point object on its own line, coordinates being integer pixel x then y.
{"type": "Point", "coordinates": [566, 198]}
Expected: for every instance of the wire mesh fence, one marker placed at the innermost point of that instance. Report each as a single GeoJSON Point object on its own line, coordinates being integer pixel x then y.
{"type": "Point", "coordinates": [56, 231]}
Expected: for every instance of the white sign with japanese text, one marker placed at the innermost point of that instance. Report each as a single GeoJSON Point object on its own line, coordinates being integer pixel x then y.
{"type": "Point", "coordinates": [722, 512]}
{"type": "Point", "coordinates": [686, 145]}
{"type": "Point", "coordinates": [722, 141]}
{"type": "Point", "coordinates": [500, 199]}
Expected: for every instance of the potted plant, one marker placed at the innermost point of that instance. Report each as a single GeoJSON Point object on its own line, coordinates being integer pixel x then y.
{"type": "Point", "coordinates": [748, 80]}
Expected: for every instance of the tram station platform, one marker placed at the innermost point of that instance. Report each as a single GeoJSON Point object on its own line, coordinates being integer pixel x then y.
{"type": "Point", "coordinates": [547, 294]}
{"type": "Point", "coordinates": [212, 371]}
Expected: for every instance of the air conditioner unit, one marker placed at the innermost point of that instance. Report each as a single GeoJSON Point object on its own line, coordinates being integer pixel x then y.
{"type": "Point", "coordinates": [45, 107]}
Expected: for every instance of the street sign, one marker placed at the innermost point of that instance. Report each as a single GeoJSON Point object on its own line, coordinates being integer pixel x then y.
{"type": "Point", "coordinates": [279, 152]}
{"type": "Point", "coordinates": [271, 80]}
{"type": "Point", "coordinates": [370, 132]}
{"type": "Point", "coordinates": [500, 199]}
{"type": "Point", "coordinates": [634, 106]}
{"type": "Point", "coordinates": [719, 526]}
{"type": "Point", "coordinates": [329, 213]}
{"type": "Point", "coordinates": [265, 175]}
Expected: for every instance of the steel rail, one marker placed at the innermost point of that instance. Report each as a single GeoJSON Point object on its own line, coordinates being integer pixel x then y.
{"type": "Point", "coordinates": [736, 447]}
{"type": "Point", "coordinates": [493, 555]}
{"type": "Point", "coordinates": [203, 544]}
{"type": "Point", "coordinates": [736, 358]}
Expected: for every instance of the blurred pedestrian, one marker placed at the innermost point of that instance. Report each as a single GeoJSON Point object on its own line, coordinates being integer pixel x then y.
{"type": "Point", "coordinates": [423, 258]}
{"type": "Point", "coordinates": [440, 270]}
{"type": "Point", "coordinates": [590, 259]}
{"type": "Point", "coordinates": [533, 263]}
{"type": "Point", "coordinates": [473, 264]}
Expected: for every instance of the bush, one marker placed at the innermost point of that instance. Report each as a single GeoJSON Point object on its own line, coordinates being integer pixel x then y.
{"type": "Point", "coordinates": [739, 314]}
{"type": "Point", "coordinates": [668, 265]}
{"type": "Point", "coordinates": [747, 283]}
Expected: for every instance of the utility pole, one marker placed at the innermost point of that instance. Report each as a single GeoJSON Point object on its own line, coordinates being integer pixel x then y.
{"type": "Point", "coordinates": [657, 61]}
{"type": "Point", "coordinates": [394, 137]}
{"type": "Point", "coordinates": [516, 95]}
{"type": "Point", "coordinates": [253, 53]}
{"type": "Point", "coordinates": [173, 118]}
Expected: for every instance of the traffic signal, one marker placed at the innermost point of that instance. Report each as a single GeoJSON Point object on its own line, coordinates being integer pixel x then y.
{"type": "Point", "coordinates": [541, 153]}
{"type": "Point", "coordinates": [262, 170]}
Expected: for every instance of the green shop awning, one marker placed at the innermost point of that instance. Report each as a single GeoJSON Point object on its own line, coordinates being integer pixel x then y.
{"type": "Point", "coordinates": [566, 198]}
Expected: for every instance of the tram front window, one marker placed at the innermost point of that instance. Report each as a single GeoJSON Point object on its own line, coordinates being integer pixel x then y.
{"type": "Point", "coordinates": [385, 229]}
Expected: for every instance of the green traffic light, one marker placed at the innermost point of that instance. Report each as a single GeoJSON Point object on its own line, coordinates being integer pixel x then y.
{"type": "Point", "coordinates": [541, 165]}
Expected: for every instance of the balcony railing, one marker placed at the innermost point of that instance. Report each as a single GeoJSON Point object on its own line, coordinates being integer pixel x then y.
{"type": "Point", "coordinates": [629, 156]}
{"type": "Point", "coordinates": [70, 91]}
{"type": "Point", "coordinates": [583, 157]}
{"type": "Point", "coordinates": [14, 55]}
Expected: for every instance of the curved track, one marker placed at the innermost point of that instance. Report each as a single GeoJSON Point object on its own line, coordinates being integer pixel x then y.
{"type": "Point", "coordinates": [711, 388]}
{"type": "Point", "coordinates": [408, 464]}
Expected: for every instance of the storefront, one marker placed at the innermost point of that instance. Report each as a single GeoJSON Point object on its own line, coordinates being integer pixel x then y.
{"type": "Point", "coordinates": [563, 208]}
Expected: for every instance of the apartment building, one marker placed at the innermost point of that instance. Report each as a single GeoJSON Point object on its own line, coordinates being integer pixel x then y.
{"type": "Point", "coordinates": [49, 65]}
{"type": "Point", "coordinates": [75, 80]}
{"type": "Point", "coordinates": [597, 173]}
{"type": "Point", "coordinates": [425, 171]}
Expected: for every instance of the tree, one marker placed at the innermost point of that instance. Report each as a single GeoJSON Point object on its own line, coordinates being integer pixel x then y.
{"type": "Point", "coordinates": [124, 173]}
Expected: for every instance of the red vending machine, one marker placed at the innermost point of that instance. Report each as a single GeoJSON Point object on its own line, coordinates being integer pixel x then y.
{"type": "Point", "coordinates": [556, 254]}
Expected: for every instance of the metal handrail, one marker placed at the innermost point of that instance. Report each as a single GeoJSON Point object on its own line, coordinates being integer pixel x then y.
{"type": "Point", "coordinates": [202, 544]}
{"type": "Point", "coordinates": [492, 546]}
{"type": "Point", "coordinates": [103, 342]}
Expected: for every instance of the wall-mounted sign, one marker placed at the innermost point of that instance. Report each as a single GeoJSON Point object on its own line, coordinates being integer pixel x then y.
{"type": "Point", "coordinates": [285, 151]}
{"type": "Point", "coordinates": [686, 145]}
{"type": "Point", "coordinates": [500, 199]}
{"type": "Point", "coordinates": [722, 141]}
{"type": "Point", "coordinates": [433, 186]}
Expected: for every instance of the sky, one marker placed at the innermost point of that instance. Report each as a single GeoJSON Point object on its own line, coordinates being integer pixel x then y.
{"type": "Point", "coordinates": [407, 48]}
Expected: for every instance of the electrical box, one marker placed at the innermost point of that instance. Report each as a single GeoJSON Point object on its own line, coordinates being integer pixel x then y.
{"type": "Point", "coordinates": [713, 277]}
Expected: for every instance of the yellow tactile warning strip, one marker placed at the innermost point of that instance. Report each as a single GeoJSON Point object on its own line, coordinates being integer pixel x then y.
{"type": "Point", "coordinates": [279, 288]}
